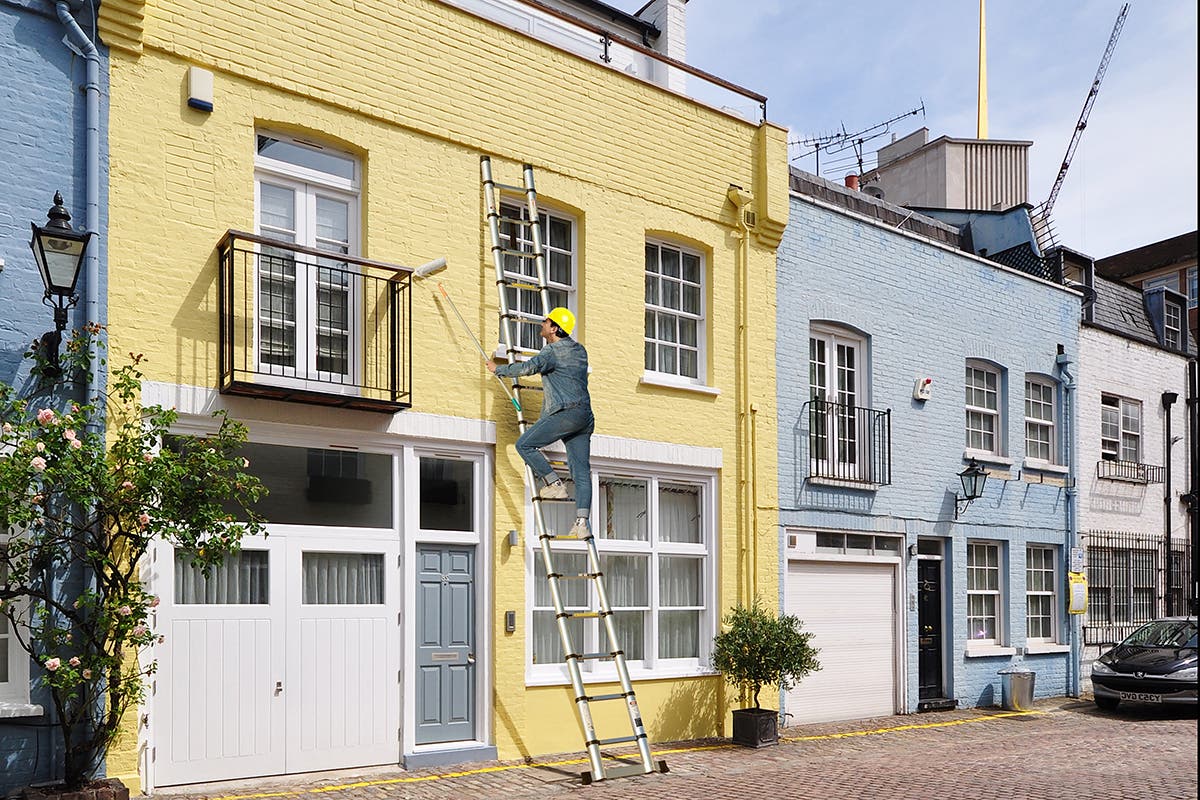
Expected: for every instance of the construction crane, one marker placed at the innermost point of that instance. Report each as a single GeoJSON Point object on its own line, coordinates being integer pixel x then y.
{"type": "Point", "coordinates": [1043, 228]}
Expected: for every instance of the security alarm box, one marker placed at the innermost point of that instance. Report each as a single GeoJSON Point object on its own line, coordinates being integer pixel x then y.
{"type": "Point", "coordinates": [923, 388]}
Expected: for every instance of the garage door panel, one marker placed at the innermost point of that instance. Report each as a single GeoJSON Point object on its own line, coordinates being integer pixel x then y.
{"type": "Point", "coordinates": [850, 610]}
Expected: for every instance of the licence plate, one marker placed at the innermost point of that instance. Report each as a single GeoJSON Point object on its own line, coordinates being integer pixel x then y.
{"type": "Point", "coordinates": [1145, 697]}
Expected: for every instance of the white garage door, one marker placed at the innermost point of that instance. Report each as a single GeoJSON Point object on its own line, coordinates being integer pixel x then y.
{"type": "Point", "coordinates": [850, 609]}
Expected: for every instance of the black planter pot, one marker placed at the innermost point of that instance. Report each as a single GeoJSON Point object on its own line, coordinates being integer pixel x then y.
{"type": "Point", "coordinates": [755, 727]}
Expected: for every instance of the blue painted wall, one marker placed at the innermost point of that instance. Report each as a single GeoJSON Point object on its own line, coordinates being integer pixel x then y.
{"type": "Point", "coordinates": [42, 134]}
{"type": "Point", "coordinates": [924, 311]}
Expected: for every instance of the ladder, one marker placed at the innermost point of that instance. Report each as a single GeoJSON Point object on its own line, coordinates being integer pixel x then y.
{"type": "Point", "coordinates": [574, 655]}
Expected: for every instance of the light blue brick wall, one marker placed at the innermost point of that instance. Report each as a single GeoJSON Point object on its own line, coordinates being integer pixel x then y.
{"type": "Point", "coordinates": [42, 132]}
{"type": "Point", "coordinates": [925, 310]}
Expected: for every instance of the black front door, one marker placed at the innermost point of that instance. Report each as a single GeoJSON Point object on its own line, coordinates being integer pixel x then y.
{"type": "Point", "coordinates": [929, 622]}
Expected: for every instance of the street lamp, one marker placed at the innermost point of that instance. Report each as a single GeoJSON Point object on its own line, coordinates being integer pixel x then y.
{"type": "Point", "coordinates": [973, 479]}
{"type": "Point", "coordinates": [58, 250]}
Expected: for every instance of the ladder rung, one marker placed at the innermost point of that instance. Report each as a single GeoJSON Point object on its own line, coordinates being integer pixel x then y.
{"type": "Point", "coordinates": [521, 285]}
{"type": "Point", "coordinates": [516, 221]}
{"type": "Point", "coordinates": [509, 187]}
{"type": "Point", "coordinates": [538, 498]}
{"type": "Point", "coordinates": [580, 576]}
{"type": "Point", "coordinates": [565, 537]}
{"type": "Point", "coordinates": [623, 771]}
{"type": "Point", "coordinates": [518, 253]}
{"type": "Point", "coordinates": [584, 614]}
{"type": "Point", "coordinates": [598, 697]}
{"type": "Point", "coordinates": [615, 740]}
{"type": "Point", "coordinates": [595, 656]}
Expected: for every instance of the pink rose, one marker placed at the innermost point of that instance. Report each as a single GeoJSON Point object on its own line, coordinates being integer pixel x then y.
{"type": "Point", "coordinates": [154, 603]}
{"type": "Point", "coordinates": [45, 417]}
{"type": "Point", "coordinates": [127, 485]}
{"type": "Point", "coordinates": [124, 611]}
{"type": "Point", "coordinates": [38, 463]}
{"type": "Point", "coordinates": [7, 428]}
{"type": "Point", "coordinates": [139, 630]}
{"type": "Point", "coordinates": [143, 519]}
{"type": "Point", "coordinates": [53, 663]}
{"type": "Point", "coordinates": [76, 444]}
{"type": "Point", "coordinates": [41, 448]}
{"type": "Point", "coordinates": [87, 674]}
{"type": "Point", "coordinates": [147, 457]}
{"type": "Point", "coordinates": [74, 662]}
{"type": "Point", "coordinates": [69, 435]}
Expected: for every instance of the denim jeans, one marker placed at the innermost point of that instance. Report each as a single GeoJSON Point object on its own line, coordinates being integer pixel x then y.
{"type": "Point", "coordinates": [574, 427]}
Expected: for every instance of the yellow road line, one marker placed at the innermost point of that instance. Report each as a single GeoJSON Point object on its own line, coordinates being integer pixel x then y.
{"type": "Point", "coordinates": [568, 762]}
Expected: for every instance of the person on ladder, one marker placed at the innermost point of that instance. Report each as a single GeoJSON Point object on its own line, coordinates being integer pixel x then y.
{"type": "Point", "coordinates": [566, 413]}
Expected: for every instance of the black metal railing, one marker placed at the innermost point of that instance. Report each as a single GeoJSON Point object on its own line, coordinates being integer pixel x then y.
{"type": "Point", "coordinates": [307, 325]}
{"type": "Point", "coordinates": [1128, 582]}
{"type": "Point", "coordinates": [849, 443]}
{"type": "Point", "coordinates": [1024, 258]}
{"type": "Point", "coordinates": [1129, 471]}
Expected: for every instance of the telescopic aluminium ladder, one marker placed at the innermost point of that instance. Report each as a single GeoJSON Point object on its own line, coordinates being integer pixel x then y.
{"type": "Point", "coordinates": [574, 655]}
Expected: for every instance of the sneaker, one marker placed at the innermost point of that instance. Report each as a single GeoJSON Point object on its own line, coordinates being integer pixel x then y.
{"type": "Point", "coordinates": [553, 491]}
{"type": "Point", "coordinates": [580, 529]}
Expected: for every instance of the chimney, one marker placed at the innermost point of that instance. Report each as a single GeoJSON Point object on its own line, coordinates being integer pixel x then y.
{"type": "Point", "coordinates": [852, 182]}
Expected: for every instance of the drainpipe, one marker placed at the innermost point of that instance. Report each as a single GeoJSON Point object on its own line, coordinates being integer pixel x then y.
{"type": "Point", "coordinates": [80, 41]}
{"type": "Point", "coordinates": [1168, 400]}
{"type": "Point", "coordinates": [1062, 361]}
{"type": "Point", "coordinates": [741, 198]}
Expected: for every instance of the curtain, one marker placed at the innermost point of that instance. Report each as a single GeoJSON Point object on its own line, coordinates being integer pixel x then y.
{"type": "Point", "coordinates": [679, 513]}
{"type": "Point", "coordinates": [343, 578]}
{"type": "Point", "coordinates": [625, 506]}
{"type": "Point", "coordinates": [680, 585]}
{"type": "Point", "coordinates": [242, 579]}
{"type": "Point", "coordinates": [627, 580]}
{"type": "Point", "coordinates": [547, 648]}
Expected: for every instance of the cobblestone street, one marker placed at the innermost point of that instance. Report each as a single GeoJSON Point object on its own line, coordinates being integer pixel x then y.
{"type": "Point", "coordinates": [1063, 748]}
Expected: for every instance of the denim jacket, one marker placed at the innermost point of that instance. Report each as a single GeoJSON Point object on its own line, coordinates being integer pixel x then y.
{"type": "Point", "coordinates": [563, 366]}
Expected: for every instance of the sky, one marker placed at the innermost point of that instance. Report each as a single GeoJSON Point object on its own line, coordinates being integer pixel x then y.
{"type": "Point", "coordinates": [825, 64]}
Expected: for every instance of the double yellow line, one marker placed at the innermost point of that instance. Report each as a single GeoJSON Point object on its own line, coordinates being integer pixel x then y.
{"type": "Point", "coordinates": [444, 776]}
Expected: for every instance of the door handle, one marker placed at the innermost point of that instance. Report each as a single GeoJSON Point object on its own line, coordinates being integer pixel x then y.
{"type": "Point", "coordinates": [278, 687]}
{"type": "Point", "coordinates": [470, 658]}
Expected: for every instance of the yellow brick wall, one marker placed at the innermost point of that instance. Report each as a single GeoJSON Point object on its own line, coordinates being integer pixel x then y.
{"type": "Point", "coordinates": [419, 91]}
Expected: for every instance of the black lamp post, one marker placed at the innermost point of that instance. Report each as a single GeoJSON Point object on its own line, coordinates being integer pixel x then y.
{"type": "Point", "coordinates": [58, 250]}
{"type": "Point", "coordinates": [973, 479]}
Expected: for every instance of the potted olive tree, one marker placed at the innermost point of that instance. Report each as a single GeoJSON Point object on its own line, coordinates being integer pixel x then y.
{"type": "Point", "coordinates": [760, 648]}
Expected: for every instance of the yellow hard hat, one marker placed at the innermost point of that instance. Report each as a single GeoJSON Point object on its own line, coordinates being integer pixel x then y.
{"type": "Point", "coordinates": [563, 318]}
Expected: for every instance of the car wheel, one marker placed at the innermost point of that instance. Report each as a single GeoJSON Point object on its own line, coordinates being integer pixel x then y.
{"type": "Point", "coordinates": [1107, 703]}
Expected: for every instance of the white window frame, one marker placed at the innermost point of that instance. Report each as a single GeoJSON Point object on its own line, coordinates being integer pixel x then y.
{"type": "Point", "coordinates": [1050, 552]}
{"type": "Point", "coordinates": [1193, 291]}
{"type": "Point", "coordinates": [1172, 328]}
{"type": "Point", "coordinates": [517, 208]}
{"type": "Point", "coordinates": [14, 692]}
{"type": "Point", "coordinates": [1040, 422]}
{"type": "Point", "coordinates": [657, 374]}
{"type": "Point", "coordinates": [307, 185]}
{"type": "Point", "coordinates": [996, 414]}
{"type": "Point", "coordinates": [1118, 449]}
{"type": "Point", "coordinates": [974, 548]}
{"type": "Point", "coordinates": [840, 428]}
{"type": "Point", "coordinates": [651, 666]}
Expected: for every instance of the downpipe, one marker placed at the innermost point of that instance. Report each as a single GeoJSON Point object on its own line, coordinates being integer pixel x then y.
{"type": "Point", "coordinates": [1063, 361]}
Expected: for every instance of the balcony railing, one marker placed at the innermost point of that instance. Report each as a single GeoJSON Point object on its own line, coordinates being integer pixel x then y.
{"type": "Point", "coordinates": [1131, 471]}
{"type": "Point", "coordinates": [311, 326]}
{"type": "Point", "coordinates": [848, 443]}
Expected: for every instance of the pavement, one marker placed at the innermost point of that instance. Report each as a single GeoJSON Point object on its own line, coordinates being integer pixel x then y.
{"type": "Point", "coordinates": [1059, 749]}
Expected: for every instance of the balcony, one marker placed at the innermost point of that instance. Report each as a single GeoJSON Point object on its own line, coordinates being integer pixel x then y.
{"type": "Point", "coordinates": [1130, 471]}
{"type": "Point", "coordinates": [849, 444]}
{"type": "Point", "coordinates": [309, 326]}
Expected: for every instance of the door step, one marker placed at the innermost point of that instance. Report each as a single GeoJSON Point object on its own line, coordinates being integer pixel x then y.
{"type": "Point", "coordinates": [937, 704]}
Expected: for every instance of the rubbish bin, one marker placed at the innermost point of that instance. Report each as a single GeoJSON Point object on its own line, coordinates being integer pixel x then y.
{"type": "Point", "coordinates": [1016, 688]}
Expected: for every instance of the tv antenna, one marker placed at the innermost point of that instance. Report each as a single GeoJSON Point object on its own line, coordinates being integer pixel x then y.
{"type": "Point", "coordinates": [1043, 227]}
{"type": "Point", "coordinates": [844, 140]}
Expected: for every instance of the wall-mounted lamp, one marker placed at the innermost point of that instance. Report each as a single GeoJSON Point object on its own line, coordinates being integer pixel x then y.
{"type": "Point", "coordinates": [973, 479]}
{"type": "Point", "coordinates": [58, 250]}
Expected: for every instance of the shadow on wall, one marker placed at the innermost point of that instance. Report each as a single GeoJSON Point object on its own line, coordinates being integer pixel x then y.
{"type": "Point", "coordinates": [832, 496]}
{"type": "Point", "coordinates": [693, 710]}
{"type": "Point", "coordinates": [987, 696]}
{"type": "Point", "coordinates": [1117, 497]}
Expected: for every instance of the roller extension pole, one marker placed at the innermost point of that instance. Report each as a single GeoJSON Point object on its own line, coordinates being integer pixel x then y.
{"type": "Point", "coordinates": [478, 346]}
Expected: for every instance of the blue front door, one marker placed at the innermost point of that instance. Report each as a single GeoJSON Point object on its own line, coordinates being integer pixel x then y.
{"type": "Point", "coordinates": [445, 643]}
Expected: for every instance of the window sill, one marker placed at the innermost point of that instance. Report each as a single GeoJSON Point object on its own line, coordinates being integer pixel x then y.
{"type": "Point", "coordinates": [10, 710]}
{"type": "Point", "coordinates": [987, 458]}
{"type": "Point", "coordinates": [1037, 465]}
{"type": "Point", "coordinates": [665, 382]}
{"type": "Point", "coordinates": [560, 678]}
{"type": "Point", "coordinates": [862, 486]}
{"type": "Point", "coordinates": [1123, 479]}
{"type": "Point", "coordinates": [988, 651]}
{"type": "Point", "coordinates": [1039, 648]}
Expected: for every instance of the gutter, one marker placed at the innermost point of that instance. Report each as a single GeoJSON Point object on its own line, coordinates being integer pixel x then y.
{"type": "Point", "coordinates": [79, 41]}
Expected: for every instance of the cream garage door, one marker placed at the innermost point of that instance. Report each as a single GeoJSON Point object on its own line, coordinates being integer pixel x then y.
{"type": "Point", "coordinates": [850, 609]}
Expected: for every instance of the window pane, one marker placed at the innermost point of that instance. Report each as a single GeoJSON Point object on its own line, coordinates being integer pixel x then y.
{"type": "Point", "coordinates": [627, 580]}
{"type": "Point", "coordinates": [241, 579]}
{"type": "Point", "coordinates": [573, 593]}
{"type": "Point", "coordinates": [314, 158]}
{"type": "Point", "coordinates": [343, 578]}
{"type": "Point", "coordinates": [624, 505]}
{"type": "Point", "coordinates": [547, 646]}
{"type": "Point", "coordinates": [630, 627]}
{"type": "Point", "coordinates": [679, 634]}
{"type": "Point", "coordinates": [447, 494]}
{"type": "Point", "coordinates": [680, 581]}
{"type": "Point", "coordinates": [679, 513]}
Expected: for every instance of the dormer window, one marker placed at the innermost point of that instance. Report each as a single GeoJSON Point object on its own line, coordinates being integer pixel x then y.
{"type": "Point", "coordinates": [1173, 325]}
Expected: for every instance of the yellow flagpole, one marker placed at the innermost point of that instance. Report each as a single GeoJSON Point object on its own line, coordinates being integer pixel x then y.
{"type": "Point", "coordinates": [981, 120]}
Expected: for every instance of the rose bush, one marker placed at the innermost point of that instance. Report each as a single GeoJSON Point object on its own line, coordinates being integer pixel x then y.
{"type": "Point", "coordinates": [79, 510]}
